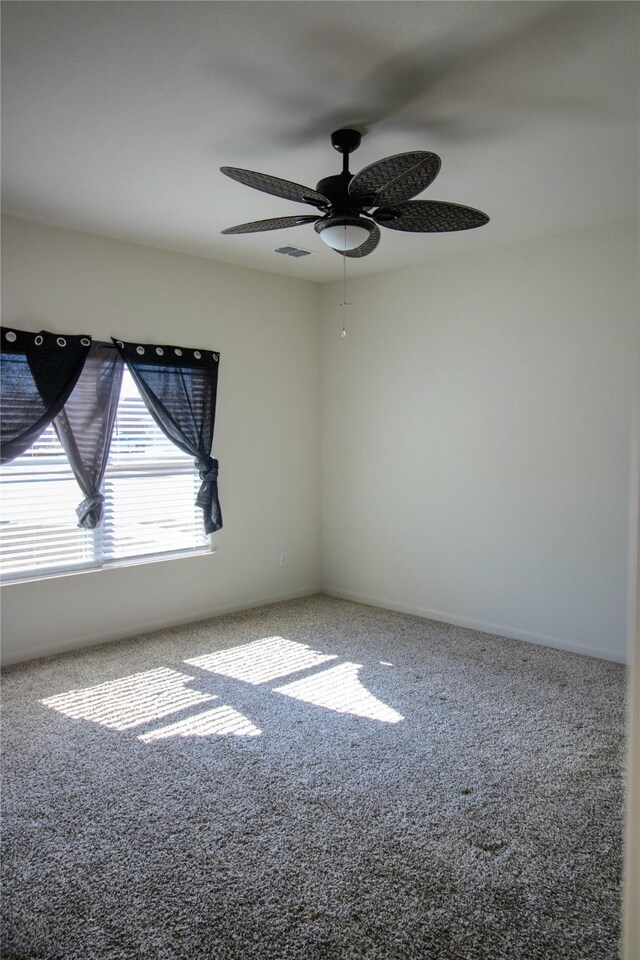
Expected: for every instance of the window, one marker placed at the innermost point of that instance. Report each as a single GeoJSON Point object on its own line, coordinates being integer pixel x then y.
{"type": "Point", "coordinates": [150, 488]}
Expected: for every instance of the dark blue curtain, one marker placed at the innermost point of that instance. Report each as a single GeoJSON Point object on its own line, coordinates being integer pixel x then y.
{"type": "Point", "coordinates": [38, 372]}
{"type": "Point", "coordinates": [179, 386]}
{"type": "Point", "coordinates": [85, 426]}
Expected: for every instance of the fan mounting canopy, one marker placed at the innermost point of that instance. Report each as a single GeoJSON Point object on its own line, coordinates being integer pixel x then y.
{"type": "Point", "coordinates": [345, 141]}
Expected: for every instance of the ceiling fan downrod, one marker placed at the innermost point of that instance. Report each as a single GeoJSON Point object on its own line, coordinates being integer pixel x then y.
{"type": "Point", "coordinates": [345, 142]}
{"type": "Point", "coordinates": [343, 228]}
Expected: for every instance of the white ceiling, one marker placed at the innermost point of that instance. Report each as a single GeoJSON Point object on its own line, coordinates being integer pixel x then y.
{"type": "Point", "coordinates": [117, 116]}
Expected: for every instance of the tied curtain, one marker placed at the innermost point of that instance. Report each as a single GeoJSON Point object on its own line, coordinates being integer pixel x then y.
{"type": "Point", "coordinates": [179, 387]}
{"type": "Point", "coordinates": [38, 372]}
{"type": "Point", "coordinates": [85, 426]}
{"type": "Point", "coordinates": [75, 383]}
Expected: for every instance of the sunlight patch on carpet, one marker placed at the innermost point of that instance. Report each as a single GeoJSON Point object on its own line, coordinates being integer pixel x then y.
{"type": "Point", "coordinates": [261, 660]}
{"type": "Point", "coordinates": [219, 722]}
{"type": "Point", "coordinates": [130, 701]}
{"type": "Point", "coordinates": [340, 689]}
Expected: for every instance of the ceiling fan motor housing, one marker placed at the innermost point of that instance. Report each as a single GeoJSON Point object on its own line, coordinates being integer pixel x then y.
{"type": "Point", "coordinates": [336, 190]}
{"type": "Point", "coordinates": [344, 212]}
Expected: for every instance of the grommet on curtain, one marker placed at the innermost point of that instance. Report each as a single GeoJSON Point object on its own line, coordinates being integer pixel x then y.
{"type": "Point", "coordinates": [140, 350]}
{"type": "Point", "coordinates": [197, 354]}
{"type": "Point", "coordinates": [10, 336]}
{"type": "Point", "coordinates": [178, 352]}
{"type": "Point", "coordinates": [61, 342]}
{"type": "Point", "coordinates": [39, 340]}
{"type": "Point", "coordinates": [160, 351]}
{"type": "Point", "coordinates": [85, 342]}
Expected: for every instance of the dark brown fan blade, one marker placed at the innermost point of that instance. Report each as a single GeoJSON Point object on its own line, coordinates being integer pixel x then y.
{"type": "Point", "coordinates": [395, 179]}
{"type": "Point", "coordinates": [365, 248]}
{"type": "Point", "coordinates": [275, 223]}
{"type": "Point", "coordinates": [429, 216]}
{"type": "Point", "coordinates": [277, 187]}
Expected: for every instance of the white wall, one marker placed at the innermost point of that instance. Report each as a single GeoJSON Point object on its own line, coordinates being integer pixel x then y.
{"type": "Point", "coordinates": [267, 427]}
{"type": "Point", "coordinates": [476, 439]}
{"type": "Point", "coordinates": [475, 434]}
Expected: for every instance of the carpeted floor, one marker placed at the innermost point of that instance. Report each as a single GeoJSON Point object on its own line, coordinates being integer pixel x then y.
{"type": "Point", "coordinates": [316, 780]}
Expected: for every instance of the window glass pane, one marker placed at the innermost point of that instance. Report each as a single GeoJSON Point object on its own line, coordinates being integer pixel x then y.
{"type": "Point", "coordinates": [151, 514]}
{"type": "Point", "coordinates": [38, 523]}
{"type": "Point", "coordinates": [137, 436]}
{"type": "Point", "coordinates": [150, 485]}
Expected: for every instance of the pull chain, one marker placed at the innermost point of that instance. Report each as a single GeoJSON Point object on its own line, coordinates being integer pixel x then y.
{"type": "Point", "coordinates": [345, 303]}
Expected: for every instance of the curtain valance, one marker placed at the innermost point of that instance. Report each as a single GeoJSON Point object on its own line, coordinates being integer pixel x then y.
{"type": "Point", "coordinates": [38, 372]}
{"type": "Point", "coordinates": [179, 387]}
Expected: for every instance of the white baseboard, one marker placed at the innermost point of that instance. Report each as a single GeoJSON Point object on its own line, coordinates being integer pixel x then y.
{"type": "Point", "coordinates": [494, 629]}
{"type": "Point", "coordinates": [491, 628]}
{"type": "Point", "coordinates": [79, 643]}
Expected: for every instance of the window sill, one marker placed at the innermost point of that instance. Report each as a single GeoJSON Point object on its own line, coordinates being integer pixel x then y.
{"type": "Point", "coordinates": [115, 565]}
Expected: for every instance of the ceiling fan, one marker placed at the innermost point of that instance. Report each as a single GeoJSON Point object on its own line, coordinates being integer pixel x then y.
{"type": "Point", "coordinates": [351, 207]}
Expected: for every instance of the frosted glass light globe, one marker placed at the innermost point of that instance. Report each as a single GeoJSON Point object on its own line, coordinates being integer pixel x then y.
{"type": "Point", "coordinates": [344, 237]}
{"type": "Point", "coordinates": [344, 233]}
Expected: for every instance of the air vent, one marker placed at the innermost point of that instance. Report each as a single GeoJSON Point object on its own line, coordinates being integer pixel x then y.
{"type": "Point", "coordinates": [293, 252]}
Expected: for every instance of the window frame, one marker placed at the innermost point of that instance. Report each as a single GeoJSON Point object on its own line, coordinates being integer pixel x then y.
{"type": "Point", "coordinates": [116, 469]}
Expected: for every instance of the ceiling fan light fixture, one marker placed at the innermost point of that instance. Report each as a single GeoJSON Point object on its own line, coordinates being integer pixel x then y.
{"type": "Point", "coordinates": [344, 233]}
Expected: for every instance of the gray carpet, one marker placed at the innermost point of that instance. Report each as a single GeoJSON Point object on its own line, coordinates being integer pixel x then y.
{"type": "Point", "coordinates": [371, 785]}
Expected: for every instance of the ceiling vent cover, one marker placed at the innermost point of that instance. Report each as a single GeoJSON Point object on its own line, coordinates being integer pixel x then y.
{"type": "Point", "coordinates": [293, 252]}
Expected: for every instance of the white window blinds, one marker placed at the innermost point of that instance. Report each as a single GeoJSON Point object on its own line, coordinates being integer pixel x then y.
{"type": "Point", "coordinates": [150, 488]}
